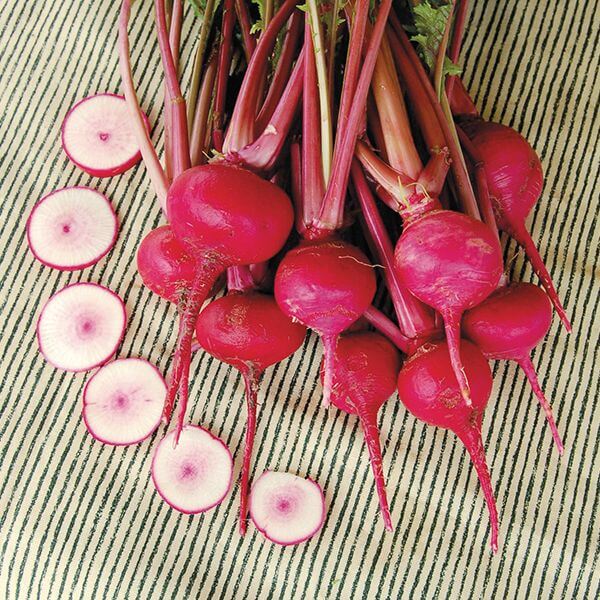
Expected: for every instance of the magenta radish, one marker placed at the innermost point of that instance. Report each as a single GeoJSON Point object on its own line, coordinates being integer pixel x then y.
{"type": "Point", "coordinates": [450, 262]}
{"type": "Point", "coordinates": [285, 508]}
{"type": "Point", "coordinates": [507, 326]}
{"type": "Point", "coordinates": [249, 332]}
{"type": "Point", "coordinates": [72, 228]}
{"type": "Point", "coordinates": [195, 474]}
{"type": "Point", "coordinates": [98, 138]}
{"type": "Point", "coordinates": [429, 390]}
{"type": "Point", "coordinates": [123, 401]}
{"type": "Point", "coordinates": [366, 371]}
{"type": "Point", "coordinates": [81, 326]}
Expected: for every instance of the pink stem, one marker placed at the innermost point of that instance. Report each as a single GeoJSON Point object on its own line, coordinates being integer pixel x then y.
{"type": "Point", "coordinates": [140, 128]}
{"type": "Point", "coordinates": [296, 185]}
{"type": "Point", "coordinates": [434, 173]}
{"type": "Point", "coordinates": [329, 349]}
{"type": "Point", "coordinates": [471, 438]}
{"type": "Point", "coordinates": [452, 327]}
{"type": "Point", "coordinates": [387, 327]}
{"type": "Point", "coordinates": [243, 17]}
{"type": "Point", "coordinates": [456, 41]}
{"type": "Point", "coordinates": [201, 114]}
{"type": "Point", "coordinates": [529, 370]}
{"type": "Point", "coordinates": [239, 279]}
{"type": "Point", "coordinates": [460, 101]}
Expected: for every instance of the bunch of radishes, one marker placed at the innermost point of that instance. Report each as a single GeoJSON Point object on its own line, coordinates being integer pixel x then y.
{"type": "Point", "coordinates": [338, 107]}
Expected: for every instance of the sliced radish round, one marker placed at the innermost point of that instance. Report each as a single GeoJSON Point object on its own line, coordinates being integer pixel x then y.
{"type": "Point", "coordinates": [123, 401]}
{"type": "Point", "coordinates": [97, 135]}
{"type": "Point", "coordinates": [286, 508]}
{"type": "Point", "coordinates": [72, 228]}
{"type": "Point", "coordinates": [81, 327]}
{"type": "Point", "coordinates": [194, 475]}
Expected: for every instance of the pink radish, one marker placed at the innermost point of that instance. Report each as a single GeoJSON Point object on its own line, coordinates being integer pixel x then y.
{"type": "Point", "coordinates": [249, 332]}
{"type": "Point", "coordinates": [451, 262]}
{"type": "Point", "coordinates": [81, 327]}
{"type": "Point", "coordinates": [123, 401]}
{"type": "Point", "coordinates": [366, 371]}
{"type": "Point", "coordinates": [285, 508]}
{"type": "Point", "coordinates": [98, 138]}
{"type": "Point", "coordinates": [429, 390]}
{"type": "Point", "coordinates": [195, 474]}
{"type": "Point", "coordinates": [72, 228]}
{"type": "Point", "coordinates": [508, 325]}
{"type": "Point", "coordinates": [326, 286]}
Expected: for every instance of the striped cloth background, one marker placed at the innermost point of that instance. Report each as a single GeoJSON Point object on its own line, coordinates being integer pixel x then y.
{"type": "Point", "coordinates": [80, 520]}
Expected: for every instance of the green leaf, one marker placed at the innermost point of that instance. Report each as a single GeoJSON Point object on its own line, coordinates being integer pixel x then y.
{"type": "Point", "coordinates": [199, 7]}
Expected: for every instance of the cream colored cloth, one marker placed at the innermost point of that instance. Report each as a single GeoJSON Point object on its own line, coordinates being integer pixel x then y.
{"type": "Point", "coordinates": [82, 520]}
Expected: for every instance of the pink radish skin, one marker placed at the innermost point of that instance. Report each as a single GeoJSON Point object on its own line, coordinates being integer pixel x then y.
{"type": "Point", "coordinates": [287, 509]}
{"type": "Point", "coordinates": [450, 262]}
{"type": "Point", "coordinates": [507, 326]}
{"type": "Point", "coordinates": [249, 332]}
{"type": "Point", "coordinates": [366, 371]}
{"type": "Point", "coordinates": [194, 474]}
{"type": "Point", "coordinates": [326, 286]}
{"type": "Point", "coordinates": [97, 137]}
{"type": "Point", "coordinates": [123, 402]}
{"type": "Point", "coordinates": [81, 326]}
{"type": "Point", "coordinates": [515, 180]}
{"type": "Point", "coordinates": [429, 390]}
{"type": "Point", "coordinates": [72, 228]}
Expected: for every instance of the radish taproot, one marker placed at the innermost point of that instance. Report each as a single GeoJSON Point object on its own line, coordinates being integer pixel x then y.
{"type": "Point", "coordinates": [365, 376]}
{"type": "Point", "coordinates": [194, 474]}
{"type": "Point", "coordinates": [123, 401]}
{"type": "Point", "coordinates": [81, 326]}
{"type": "Point", "coordinates": [249, 332]}
{"type": "Point", "coordinates": [507, 326]}
{"type": "Point", "coordinates": [97, 136]}
{"type": "Point", "coordinates": [429, 390]}
{"type": "Point", "coordinates": [72, 228]}
{"type": "Point", "coordinates": [285, 508]}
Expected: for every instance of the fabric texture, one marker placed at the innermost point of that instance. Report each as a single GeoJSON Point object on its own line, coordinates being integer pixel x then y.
{"type": "Point", "coordinates": [82, 520]}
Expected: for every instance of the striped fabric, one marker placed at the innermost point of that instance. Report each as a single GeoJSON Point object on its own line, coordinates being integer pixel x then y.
{"type": "Point", "coordinates": [81, 520]}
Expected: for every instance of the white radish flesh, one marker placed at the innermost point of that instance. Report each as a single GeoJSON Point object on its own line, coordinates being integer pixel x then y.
{"type": "Point", "coordinates": [72, 228]}
{"type": "Point", "coordinates": [196, 474]}
{"type": "Point", "coordinates": [123, 401]}
{"type": "Point", "coordinates": [81, 327]}
{"type": "Point", "coordinates": [286, 508]}
{"type": "Point", "coordinates": [98, 137]}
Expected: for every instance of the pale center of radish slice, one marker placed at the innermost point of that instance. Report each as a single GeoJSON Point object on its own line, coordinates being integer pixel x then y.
{"type": "Point", "coordinates": [121, 401]}
{"type": "Point", "coordinates": [86, 327]}
{"type": "Point", "coordinates": [191, 470]}
{"type": "Point", "coordinates": [284, 504]}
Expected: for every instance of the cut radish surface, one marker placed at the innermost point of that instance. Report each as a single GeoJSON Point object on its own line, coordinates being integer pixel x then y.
{"type": "Point", "coordinates": [194, 475]}
{"type": "Point", "coordinates": [286, 508]}
{"type": "Point", "coordinates": [81, 327]}
{"type": "Point", "coordinates": [98, 138]}
{"type": "Point", "coordinates": [123, 401]}
{"type": "Point", "coordinates": [72, 228]}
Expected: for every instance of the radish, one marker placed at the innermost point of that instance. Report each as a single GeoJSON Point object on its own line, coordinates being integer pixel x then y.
{"type": "Point", "coordinates": [195, 474]}
{"type": "Point", "coordinates": [81, 326]}
{"type": "Point", "coordinates": [507, 326]}
{"type": "Point", "coordinates": [98, 138]}
{"type": "Point", "coordinates": [123, 401]}
{"type": "Point", "coordinates": [285, 508]}
{"type": "Point", "coordinates": [249, 332]}
{"type": "Point", "coordinates": [366, 370]}
{"type": "Point", "coordinates": [429, 390]}
{"type": "Point", "coordinates": [451, 262]}
{"type": "Point", "coordinates": [72, 228]}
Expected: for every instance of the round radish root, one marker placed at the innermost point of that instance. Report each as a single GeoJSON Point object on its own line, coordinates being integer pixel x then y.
{"type": "Point", "coordinates": [366, 370]}
{"type": "Point", "coordinates": [123, 401]}
{"type": "Point", "coordinates": [285, 508]}
{"type": "Point", "coordinates": [450, 262]}
{"type": "Point", "coordinates": [326, 286]}
{"type": "Point", "coordinates": [429, 390]}
{"type": "Point", "coordinates": [195, 474]}
{"type": "Point", "coordinates": [508, 325]}
{"type": "Point", "coordinates": [72, 228]}
{"type": "Point", "coordinates": [81, 327]}
{"type": "Point", "coordinates": [98, 138]}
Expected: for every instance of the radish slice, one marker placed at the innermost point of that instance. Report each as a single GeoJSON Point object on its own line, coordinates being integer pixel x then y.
{"type": "Point", "coordinates": [285, 508]}
{"type": "Point", "coordinates": [123, 401]}
{"type": "Point", "coordinates": [72, 228]}
{"type": "Point", "coordinates": [81, 327]}
{"type": "Point", "coordinates": [97, 136]}
{"type": "Point", "coordinates": [194, 475]}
